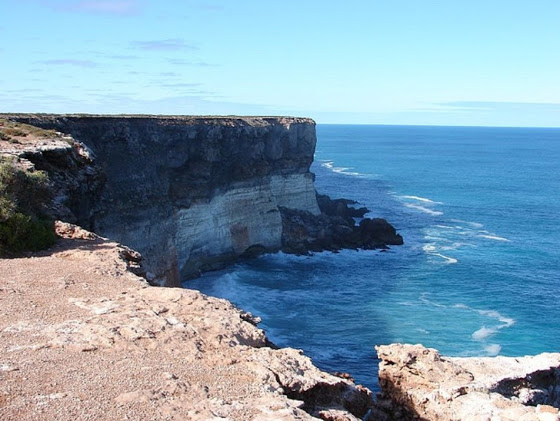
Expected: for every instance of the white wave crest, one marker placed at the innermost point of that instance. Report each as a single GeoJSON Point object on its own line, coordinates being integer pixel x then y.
{"type": "Point", "coordinates": [428, 248]}
{"type": "Point", "coordinates": [484, 332]}
{"type": "Point", "coordinates": [339, 170]}
{"type": "Point", "coordinates": [494, 237]}
{"type": "Point", "coordinates": [448, 260]}
{"type": "Point", "coordinates": [507, 321]}
{"type": "Point", "coordinates": [423, 209]}
{"type": "Point", "coordinates": [472, 224]}
{"type": "Point", "coordinates": [422, 199]}
{"type": "Point", "coordinates": [422, 330]}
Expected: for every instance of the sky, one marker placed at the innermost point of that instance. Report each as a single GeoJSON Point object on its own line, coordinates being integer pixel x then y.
{"type": "Point", "coordinates": [454, 62]}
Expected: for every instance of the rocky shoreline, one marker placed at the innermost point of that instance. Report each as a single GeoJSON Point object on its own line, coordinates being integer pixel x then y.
{"type": "Point", "coordinates": [419, 383]}
{"type": "Point", "coordinates": [83, 337]}
{"type": "Point", "coordinates": [335, 228]}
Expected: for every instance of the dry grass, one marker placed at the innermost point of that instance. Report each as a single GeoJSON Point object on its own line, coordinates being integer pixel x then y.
{"type": "Point", "coordinates": [14, 132]}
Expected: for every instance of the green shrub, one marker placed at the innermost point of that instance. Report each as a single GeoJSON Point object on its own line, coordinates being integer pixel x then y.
{"type": "Point", "coordinates": [23, 198]}
{"type": "Point", "coordinates": [21, 233]}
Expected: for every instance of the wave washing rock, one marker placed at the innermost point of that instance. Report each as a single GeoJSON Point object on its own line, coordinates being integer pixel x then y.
{"type": "Point", "coordinates": [192, 193]}
{"type": "Point", "coordinates": [82, 337]}
{"type": "Point", "coordinates": [419, 383]}
{"type": "Point", "coordinates": [335, 228]}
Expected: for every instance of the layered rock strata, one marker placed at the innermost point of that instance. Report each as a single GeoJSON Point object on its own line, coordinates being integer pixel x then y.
{"type": "Point", "coordinates": [82, 337]}
{"type": "Point", "coordinates": [419, 383]}
{"type": "Point", "coordinates": [191, 193]}
{"type": "Point", "coordinates": [195, 193]}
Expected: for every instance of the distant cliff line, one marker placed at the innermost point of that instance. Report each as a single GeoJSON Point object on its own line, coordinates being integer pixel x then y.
{"type": "Point", "coordinates": [194, 193]}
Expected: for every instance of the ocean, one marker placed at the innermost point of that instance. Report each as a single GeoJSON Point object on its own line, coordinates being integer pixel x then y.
{"type": "Point", "coordinates": [478, 275]}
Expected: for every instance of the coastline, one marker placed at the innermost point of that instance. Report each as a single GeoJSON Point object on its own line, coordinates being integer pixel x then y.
{"type": "Point", "coordinates": [106, 343]}
{"type": "Point", "coordinates": [84, 337]}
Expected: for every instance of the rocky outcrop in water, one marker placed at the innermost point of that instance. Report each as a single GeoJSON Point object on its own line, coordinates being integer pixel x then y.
{"type": "Point", "coordinates": [419, 383]}
{"type": "Point", "coordinates": [335, 228]}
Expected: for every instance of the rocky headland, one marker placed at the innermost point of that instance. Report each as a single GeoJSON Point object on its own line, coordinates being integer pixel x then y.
{"type": "Point", "coordinates": [83, 337]}
{"type": "Point", "coordinates": [193, 194]}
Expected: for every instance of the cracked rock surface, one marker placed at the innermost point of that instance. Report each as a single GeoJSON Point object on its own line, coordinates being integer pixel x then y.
{"type": "Point", "coordinates": [419, 383]}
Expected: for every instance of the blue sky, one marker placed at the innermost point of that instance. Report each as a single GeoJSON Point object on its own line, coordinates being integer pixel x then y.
{"type": "Point", "coordinates": [452, 62]}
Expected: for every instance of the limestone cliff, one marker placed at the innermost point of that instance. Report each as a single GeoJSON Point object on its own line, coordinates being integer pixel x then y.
{"type": "Point", "coordinates": [190, 193]}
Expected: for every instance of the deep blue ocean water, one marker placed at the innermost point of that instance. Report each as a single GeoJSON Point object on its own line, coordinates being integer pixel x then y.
{"type": "Point", "coordinates": [479, 274]}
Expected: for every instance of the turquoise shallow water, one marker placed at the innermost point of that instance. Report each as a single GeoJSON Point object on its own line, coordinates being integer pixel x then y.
{"type": "Point", "coordinates": [479, 273]}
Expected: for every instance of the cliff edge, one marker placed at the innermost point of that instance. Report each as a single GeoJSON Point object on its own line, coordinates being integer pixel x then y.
{"type": "Point", "coordinates": [82, 337]}
{"type": "Point", "coordinates": [192, 194]}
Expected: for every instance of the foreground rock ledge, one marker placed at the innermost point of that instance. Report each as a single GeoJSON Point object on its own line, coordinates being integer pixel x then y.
{"type": "Point", "coordinates": [419, 383]}
{"type": "Point", "coordinates": [82, 337]}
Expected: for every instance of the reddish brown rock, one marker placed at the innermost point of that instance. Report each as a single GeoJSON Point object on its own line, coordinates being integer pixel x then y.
{"type": "Point", "coordinates": [419, 383]}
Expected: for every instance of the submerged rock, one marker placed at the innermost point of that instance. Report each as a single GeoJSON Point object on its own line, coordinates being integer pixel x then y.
{"type": "Point", "coordinates": [419, 383]}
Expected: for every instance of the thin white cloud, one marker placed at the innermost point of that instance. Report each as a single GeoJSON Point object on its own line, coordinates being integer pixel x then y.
{"type": "Point", "coordinates": [106, 7]}
{"type": "Point", "coordinates": [501, 105]}
{"type": "Point", "coordinates": [122, 57]}
{"type": "Point", "coordinates": [70, 62]}
{"type": "Point", "coordinates": [182, 62]}
{"type": "Point", "coordinates": [172, 44]}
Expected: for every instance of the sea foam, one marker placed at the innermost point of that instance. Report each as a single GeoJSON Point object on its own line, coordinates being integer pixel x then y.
{"type": "Point", "coordinates": [422, 199]}
{"type": "Point", "coordinates": [423, 209]}
{"type": "Point", "coordinates": [493, 349]}
{"type": "Point", "coordinates": [472, 224]}
{"type": "Point", "coordinates": [448, 260]}
{"type": "Point", "coordinates": [494, 237]}
{"type": "Point", "coordinates": [483, 333]}
{"type": "Point", "coordinates": [340, 170]}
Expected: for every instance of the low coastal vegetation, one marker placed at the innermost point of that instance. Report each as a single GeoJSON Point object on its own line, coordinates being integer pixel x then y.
{"type": "Point", "coordinates": [24, 224]}
{"type": "Point", "coordinates": [15, 132]}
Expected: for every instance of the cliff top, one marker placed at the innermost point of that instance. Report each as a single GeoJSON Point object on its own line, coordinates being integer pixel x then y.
{"type": "Point", "coordinates": [184, 119]}
{"type": "Point", "coordinates": [85, 338]}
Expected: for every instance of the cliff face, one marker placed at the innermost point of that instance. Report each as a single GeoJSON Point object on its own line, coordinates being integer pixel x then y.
{"type": "Point", "coordinates": [191, 193]}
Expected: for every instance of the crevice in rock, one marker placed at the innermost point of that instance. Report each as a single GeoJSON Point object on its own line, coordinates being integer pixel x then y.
{"type": "Point", "coordinates": [538, 388]}
{"type": "Point", "coordinates": [322, 398]}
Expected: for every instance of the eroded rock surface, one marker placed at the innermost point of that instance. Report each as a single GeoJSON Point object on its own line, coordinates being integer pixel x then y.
{"type": "Point", "coordinates": [419, 383]}
{"type": "Point", "coordinates": [82, 337]}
